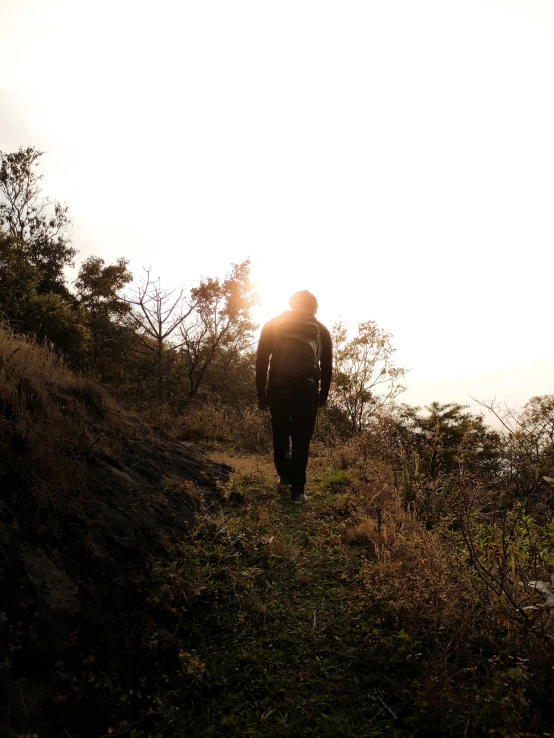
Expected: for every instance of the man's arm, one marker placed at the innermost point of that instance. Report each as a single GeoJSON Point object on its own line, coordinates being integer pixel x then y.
{"type": "Point", "coordinates": [326, 364]}
{"type": "Point", "coordinates": [262, 362]}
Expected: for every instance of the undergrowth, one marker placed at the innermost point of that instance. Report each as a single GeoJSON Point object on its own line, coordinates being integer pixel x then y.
{"type": "Point", "coordinates": [390, 605]}
{"type": "Point", "coordinates": [343, 617]}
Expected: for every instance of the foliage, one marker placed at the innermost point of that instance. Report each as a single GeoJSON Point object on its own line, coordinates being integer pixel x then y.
{"type": "Point", "coordinates": [47, 315]}
{"type": "Point", "coordinates": [220, 332]}
{"type": "Point", "coordinates": [411, 597]}
{"type": "Point", "coordinates": [239, 427]}
{"type": "Point", "coordinates": [345, 618]}
{"type": "Point", "coordinates": [98, 292]}
{"type": "Point", "coordinates": [365, 377]}
{"type": "Point", "coordinates": [528, 445]}
{"type": "Point", "coordinates": [196, 345]}
{"type": "Point", "coordinates": [40, 226]}
{"type": "Point", "coordinates": [439, 435]}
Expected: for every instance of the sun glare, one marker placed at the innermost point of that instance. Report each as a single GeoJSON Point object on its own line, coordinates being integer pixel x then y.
{"type": "Point", "coordinates": [276, 283]}
{"type": "Point", "coordinates": [394, 175]}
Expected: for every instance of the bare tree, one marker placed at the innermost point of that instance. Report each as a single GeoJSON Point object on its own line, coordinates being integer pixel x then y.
{"type": "Point", "coordinates": [528, 442]}
{"type": "Point", "coordinates": [507, 417]}
{"type": "Point", "coordinates": [157, 314]}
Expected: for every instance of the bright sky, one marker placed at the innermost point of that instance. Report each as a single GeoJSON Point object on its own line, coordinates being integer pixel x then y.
{"type": "Point", "coordinates": [395, 158]}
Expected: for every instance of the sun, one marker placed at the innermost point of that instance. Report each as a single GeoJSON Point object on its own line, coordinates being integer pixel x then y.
{"type": "Point", "coordinates": [275, 284]}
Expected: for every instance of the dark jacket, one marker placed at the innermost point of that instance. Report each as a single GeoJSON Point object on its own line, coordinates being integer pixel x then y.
{"type": "Point", "coordinates": [266, 347]}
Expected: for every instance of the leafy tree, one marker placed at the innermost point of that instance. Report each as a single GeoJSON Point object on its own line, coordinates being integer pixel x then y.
{"type": "Point", "coordinates": [232, 377]}
{"type": "Point", "coordinates": [446, 432]}
{"type": "Point", "coordinates": [537, 418]}
{"type": "Point", "coordinates": [40, 226]}
{"type": "Point", "coordinates": [98, 290]}
{"type": "Point", "coordinates": [46, 315]}
{"type": "Point", "coordinates": [49, 316]}
{"type": "Point", "coordinates": [18, 279]}
{"type": "Point", "coordinates": [215, 339]}
{"type": "Point", "coordinates": [34, 250]}
{"type": "Point", "coordinates": [365, 377]}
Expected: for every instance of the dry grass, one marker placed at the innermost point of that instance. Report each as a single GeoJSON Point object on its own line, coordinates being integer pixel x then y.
{"type": "Point", "coordinates": [355, 583]}
{"type": "Point", "coordinates": [91, 497]}
{"type": "Point", "coordinates": [240, 428]}
{"type": "Point", "coordinates": [46, 409]}
{"type": "Point", "coordinates": [352, 587]}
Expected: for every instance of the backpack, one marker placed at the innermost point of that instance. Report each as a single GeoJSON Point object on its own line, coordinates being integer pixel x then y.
{"type": "Point", "coordinates": [297, 348]}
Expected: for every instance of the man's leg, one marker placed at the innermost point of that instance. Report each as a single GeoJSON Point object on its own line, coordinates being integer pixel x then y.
{"type": "Point", "coordinates": [302, 428]}
{"type": "Point", "coordinates": [281, 427]}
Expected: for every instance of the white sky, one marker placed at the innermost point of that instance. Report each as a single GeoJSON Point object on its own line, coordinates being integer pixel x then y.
{"type": "Point", "coordinates": [395, 158]}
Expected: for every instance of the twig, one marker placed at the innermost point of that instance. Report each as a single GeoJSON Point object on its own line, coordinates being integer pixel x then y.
{"type": "Point", "coordinates": [92, 445]}
{"type": "Point", "coordinates": [387, 708]}
{"type": "Point", "coordinates": [493, 582]}
{"type": "Point", "coordinates": [13, 353]}
{"type": "Point", "coordinates": [23, 701]}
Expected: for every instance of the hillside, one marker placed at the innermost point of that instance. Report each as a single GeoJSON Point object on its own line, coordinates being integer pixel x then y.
{"type": "Point", "coordinates": [90, 499]}
{"type": "Point", "coordinates": [152, 588]}
{"type": "Point", "coordinates": [344, 617]}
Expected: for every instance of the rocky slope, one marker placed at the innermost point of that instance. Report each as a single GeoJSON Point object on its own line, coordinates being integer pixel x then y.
{"type": "Point", "coordinates": [91, 501]}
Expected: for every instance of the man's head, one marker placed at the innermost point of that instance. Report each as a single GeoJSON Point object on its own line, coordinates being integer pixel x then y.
{"type": "Point", "coordinates": [304, 301]}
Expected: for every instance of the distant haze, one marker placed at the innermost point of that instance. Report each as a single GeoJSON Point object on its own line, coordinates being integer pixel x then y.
{"type": "Point", "coordinates": [396, 159]}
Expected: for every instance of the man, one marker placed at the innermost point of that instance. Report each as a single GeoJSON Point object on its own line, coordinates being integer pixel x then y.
{"type": "Point", "coordinates": [299, 352]}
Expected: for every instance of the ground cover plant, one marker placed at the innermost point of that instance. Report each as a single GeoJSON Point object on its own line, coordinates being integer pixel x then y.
{"type": "Point", "coordinates": [346, 617]}
{"type": "Point", "coordinates": [148, 590]}
{"type": "Point", "coordinates": [144, 593]}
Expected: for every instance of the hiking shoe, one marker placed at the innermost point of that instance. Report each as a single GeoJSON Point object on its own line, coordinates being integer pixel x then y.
{"type": "Point", "coordinates": [283, 484]}
{"type": "Point", "coordinates": [298, 497]}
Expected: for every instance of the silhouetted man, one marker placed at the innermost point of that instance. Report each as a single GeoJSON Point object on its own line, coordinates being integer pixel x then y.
{"type": "Point", "coordinates": [299, 352]}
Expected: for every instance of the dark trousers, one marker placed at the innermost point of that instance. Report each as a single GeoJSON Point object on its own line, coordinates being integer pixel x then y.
{"type": "Point", "coordinates": [293, 416]}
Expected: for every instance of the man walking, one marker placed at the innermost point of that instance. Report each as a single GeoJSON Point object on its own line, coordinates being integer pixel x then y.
{"type": "Point", "coordinates": [299, 352]}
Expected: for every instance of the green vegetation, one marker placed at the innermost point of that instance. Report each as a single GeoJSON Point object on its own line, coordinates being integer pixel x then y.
{"type": "Point", "coordinates": [153, 581]}
{"type": "Point", "coordinates": [347, 617]}
{"type": "Point", "coordinates": [417, 555]}
{"type": "Point", "coordinates": [151, 345]}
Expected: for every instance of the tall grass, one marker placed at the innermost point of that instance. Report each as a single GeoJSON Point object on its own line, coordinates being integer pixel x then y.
{"type": "Point", "coordinates": [241, 428]}
{"type": "Point", "coordinates": [51, 418]}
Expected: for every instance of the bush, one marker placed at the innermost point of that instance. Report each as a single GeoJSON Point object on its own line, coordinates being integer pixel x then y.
{"type": "Point", "coordinates": [242, 428]}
